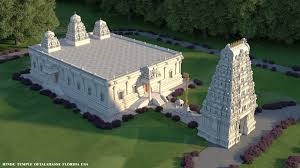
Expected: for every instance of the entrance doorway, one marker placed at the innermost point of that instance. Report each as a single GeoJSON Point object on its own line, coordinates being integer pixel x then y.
{"type": "Point", "coordinates": [243, 125]}
{"type": "Point", "coordinates": [146, 88]}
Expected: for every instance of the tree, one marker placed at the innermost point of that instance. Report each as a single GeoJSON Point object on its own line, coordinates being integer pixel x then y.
{"type": "Point", "coordinates": [23, 19]}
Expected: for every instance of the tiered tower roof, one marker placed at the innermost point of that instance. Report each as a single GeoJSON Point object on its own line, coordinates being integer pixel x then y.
{"type": "Point", "coordinates": [101, 30]}
{"type": "Point", "coordinates": [230, 97]}
{"type": "Point", "coordinates": [77, 34]}
{"type": "Point", "coordinates": [50, 43]}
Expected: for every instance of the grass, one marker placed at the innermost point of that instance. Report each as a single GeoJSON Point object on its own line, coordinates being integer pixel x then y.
{"type": "Point", "coordinates": [283, 54]}
{"type": "Point", "coordinates": [33, 129]}
{"type": "Point", "coordinates": [287, 144]}
{"type": "Point", "coordinates": [269, 86]}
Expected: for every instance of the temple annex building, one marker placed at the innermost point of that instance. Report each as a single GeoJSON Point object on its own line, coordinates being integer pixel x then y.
{"type": "Point", "coordinates": [102, 72]}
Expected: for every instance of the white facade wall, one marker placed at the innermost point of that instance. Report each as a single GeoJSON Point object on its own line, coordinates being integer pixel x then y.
{"type": "Point", "coordinates": [96, 95]}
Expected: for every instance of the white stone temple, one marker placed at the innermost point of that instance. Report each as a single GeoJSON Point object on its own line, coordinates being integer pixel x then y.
{"type": "Point", "coordinates": [228, 109]}
{"type": "Point", "coordinates": [104, 73]}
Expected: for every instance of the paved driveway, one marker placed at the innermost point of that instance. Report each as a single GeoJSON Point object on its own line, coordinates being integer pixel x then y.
{"type": "Point", "coordinates": [218, 157]}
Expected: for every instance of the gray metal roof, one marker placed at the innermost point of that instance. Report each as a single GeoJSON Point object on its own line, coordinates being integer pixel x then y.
{"type": "Point", "coordinates": [112, 57]}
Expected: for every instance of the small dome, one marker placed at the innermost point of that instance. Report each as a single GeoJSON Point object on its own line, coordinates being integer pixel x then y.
{"type": "Point", "coordinates": [75, 18]}
{"type": "Point", "coordinates": [49, 34]}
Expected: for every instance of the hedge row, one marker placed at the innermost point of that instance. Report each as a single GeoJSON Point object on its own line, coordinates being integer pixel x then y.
{"type": "Point", "coordinates": [293, 74]}
{"type": "Point", "coordinates": [187, 159]}
{"type": "Point", "coordinates": [278, 105]}
{"type": "Point", "coordinates": [266, 141]}
{"type": "Point", "coordinates": [6, 52]}
{"type": "Point", "coordinates": [292, 162]}
{"type": "Point", "coordinates": [296, 68]}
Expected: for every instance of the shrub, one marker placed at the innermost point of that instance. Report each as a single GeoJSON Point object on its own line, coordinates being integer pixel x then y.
{"type": "Point", "coordinates": [198, 82]}
{"type": "Point", "coordinates": [52, 95]}
{"type": "Point", "coordinates": [92, 117]}
{"type": "Point", "coordinates": [45, 92]}
{"type": "Point", "coordinates": [86, 115]}
{"type": "Point", "coordinates": [26, 81]}
{"type": "Point", "coordinates": [190, 46]}
{"type": "Point", "coordinates": [125, 118]}
{"type": "Point", "coordinates": [258, 110]}
{"type": "Point", "coordinates": [178, 92]}
{"type": "Point", "coordinates": [195, 108]}
{"type": "Point", "coordinates": [234, 166]}
{"type": "Point", "coordinates": [169, 41]}
{"type": "Point", "coordinates": [264, 66]}
{"type": "Point", "coordinates": [176, 118]}
{"type": "Point", "coordinates": [158, 108]}
{"type": "Point", "coordinates": [293, 74]}
{"type": "Point", "coordinates": [278, 105]}
{"type": "Point", "coordinates": [273, 69]}
{"type": "Point", "coordinates": [58, 101]}
{"type": "Point", "coordinates": [26, 71]}
{"type": "Point", "coordinates": [76, 110]}
{"type": "Point", "coordinates": [16, 76]}
{"type": "Point", "coordinates": [193, 124]}
{"type": "Point", "coordinates": [195, 153]}
{"type": "Point", "coordinates": [296, 68]}
{"type": "Point", "coordinates": [292, 162]}
{"type": "Point", "coordinates": [141, 110]}
{"type": "Point", "coordinates": [168, 115]}
{"type": "Point", "coordinates": [159, 39]}
{"type": "Point", "coordinates": [67, 104]}
{"type": "Point", "coordinates": [116, 123]}
{"type": "Point", "coordinates": [173, 99]}
{"type": "Point", "coordinates": [192, 86]}
{"type": "Point", "coordinates": [36, 87]}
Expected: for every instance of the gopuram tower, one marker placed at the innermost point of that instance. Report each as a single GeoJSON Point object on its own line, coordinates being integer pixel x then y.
{"type": "Point", "coordinates": [228, 109]}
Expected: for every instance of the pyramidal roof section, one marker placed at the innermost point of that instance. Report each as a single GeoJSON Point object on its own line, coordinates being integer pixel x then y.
{"type": "Point", "coordinates": [77, 34]}
{"type": "Point", "coordinates": [101, 30]}
{"type": "Point", "coordinates": [50, 43]}
{"type": "Point", "coordinates": [233, 71]}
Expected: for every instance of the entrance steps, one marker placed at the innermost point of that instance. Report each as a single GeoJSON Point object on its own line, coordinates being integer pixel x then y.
{"type": "Point", "coordinates": [142, 102]}
{"type": "Point", "coordinates": [159, 100]}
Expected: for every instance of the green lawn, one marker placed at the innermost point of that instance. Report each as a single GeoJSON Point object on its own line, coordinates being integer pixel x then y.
{"type": "Point", "coordinates": [287, 144]}
{"type": "Point", "coordinates": [33, 129]}
{"type": "Point", "coordinates": [280, 53]}
{"type": "Point", "coordinates": [269, 86]}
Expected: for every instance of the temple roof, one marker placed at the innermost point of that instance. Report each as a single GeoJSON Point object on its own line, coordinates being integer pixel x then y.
{"type": "Point", "coordinates": [112, 57]}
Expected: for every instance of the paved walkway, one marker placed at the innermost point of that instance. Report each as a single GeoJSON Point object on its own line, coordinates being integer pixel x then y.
{"type": "Point", "coordinates": [202, 48]}
{"type": "Point", "coordinates": [218, 157]}
{"type": "Point", "coordinates": [13, 54]}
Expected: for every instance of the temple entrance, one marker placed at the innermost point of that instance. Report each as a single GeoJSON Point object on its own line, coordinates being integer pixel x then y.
{"type": "Point", "coordinates": [243, 125]}
{"type": "Point", "coordinates": [146, 88]}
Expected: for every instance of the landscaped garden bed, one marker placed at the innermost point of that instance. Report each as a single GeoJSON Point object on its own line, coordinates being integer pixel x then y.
{"type": "Point", "coordinates": [266, 141]}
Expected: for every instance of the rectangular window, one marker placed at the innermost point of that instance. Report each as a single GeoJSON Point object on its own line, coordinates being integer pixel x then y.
{"type": "Point", "coordinates": [134, 89]}
{"type": "Point", "coordinates": [121, 95]}
{"type": "Point", "coordinates": [101, 97]}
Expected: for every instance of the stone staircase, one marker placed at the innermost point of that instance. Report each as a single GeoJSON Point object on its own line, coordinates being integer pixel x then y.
{"type": "Point", "coordinates": [158, 100]}
{"type": "Point", "coordinates": [142, 102]}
